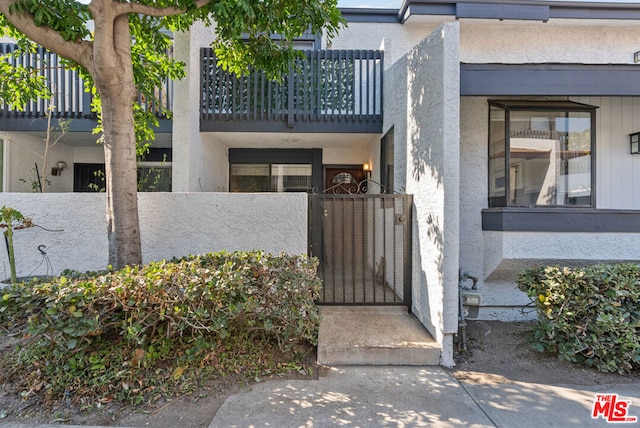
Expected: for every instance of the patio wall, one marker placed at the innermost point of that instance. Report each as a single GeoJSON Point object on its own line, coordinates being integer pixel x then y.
{"type": "Point", "coordinates": [172, 225]}
{"type": "Point", "coordinates": [426, 121]}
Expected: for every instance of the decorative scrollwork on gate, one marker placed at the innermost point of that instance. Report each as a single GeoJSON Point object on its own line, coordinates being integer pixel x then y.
{"type": "Point", "coordinates": [344, 185]}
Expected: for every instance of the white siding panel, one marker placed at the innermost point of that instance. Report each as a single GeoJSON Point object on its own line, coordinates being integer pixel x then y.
{"type": "Point", "coordinates": [617, 171]}
{"type": "Point", "coordinates": [627, 160]}
{"type": "Point", "coordinates": [635, 159]}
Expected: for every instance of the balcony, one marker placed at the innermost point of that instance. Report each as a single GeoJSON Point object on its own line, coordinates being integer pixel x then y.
{"type": "Point", "coordinates": [326, 91]}
{"type": "Point", "coordinates": [69, 100]}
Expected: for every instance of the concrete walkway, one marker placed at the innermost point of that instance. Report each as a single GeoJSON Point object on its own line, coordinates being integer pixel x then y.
{"type": "Point", "coordinates": [404, 396]}
{"type": "Point", "coordinates": [411, 396]}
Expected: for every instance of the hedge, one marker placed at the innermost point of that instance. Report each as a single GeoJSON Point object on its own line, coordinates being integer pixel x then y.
{"type": "Point", "coordinates": [588, 315]}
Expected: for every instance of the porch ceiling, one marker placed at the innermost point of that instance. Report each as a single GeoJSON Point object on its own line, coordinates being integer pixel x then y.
{"type": "Point", "coordinates": [87, 139]}
{"type": "Point", "coordinates": [287, 140]}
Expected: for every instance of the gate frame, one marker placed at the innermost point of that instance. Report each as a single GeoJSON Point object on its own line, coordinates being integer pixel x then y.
{"type": "Point", "coordinates": [316, 238]}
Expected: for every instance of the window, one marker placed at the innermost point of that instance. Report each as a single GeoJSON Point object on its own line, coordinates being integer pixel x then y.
{"type": "Point", "coordinates": [270, 177]}
{"type": "Point", "coordinates": [154, 170]}
{"type": "Point", "coordinates": [540, 153]}
{"type": "Point", "coordinates": [154, 173]}
{"type": "Point", "coordinates": [274, 170]}
{"type": "Point", "coordinates": [386, 161]}
{"type": "Point", "coordinates": [154, 177]}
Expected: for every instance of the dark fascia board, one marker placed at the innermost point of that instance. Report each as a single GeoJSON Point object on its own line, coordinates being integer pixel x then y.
{"type": "Point", "coordinates": [353, 14]}
{"type": "Point", "coordinates": [502, 11]}
{"type": "Point", "coordinates": [10, 123]}
{"type": "Point", "coordinates": [410, 8]}
{"type": "Point", "coordinates": [373, 126]}
{"type": "Point", "coordinates": [549, 79]}
{"type": "Point", "coordinates": [244, 155]}
{"type": "Point", "coordinates": [586, 220]}
{"type": "Point", "coordinates": [520, 9]}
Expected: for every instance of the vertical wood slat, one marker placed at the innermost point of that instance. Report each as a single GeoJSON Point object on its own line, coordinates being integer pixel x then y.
{"type": "Point", "coordinates": [63, 91]}
{"type": "Point", "coordinates": [381, 84]}
{"type": "Point", "coordinates": [318, 106]}
{"type": "Point", "coordinates": [368, 108]}
{"type": "Point", "coordinates": [290, 97]}
{"type": "Point", "coordinates": [204, 86]}
{"type": "Point", "coordinates": [374, 72]}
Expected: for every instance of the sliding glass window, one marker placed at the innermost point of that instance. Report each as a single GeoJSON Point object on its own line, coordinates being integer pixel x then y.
{"type": "Point", "coordinates": [264, 177]}
{"type": "Point", "coordinates": [540, 153]}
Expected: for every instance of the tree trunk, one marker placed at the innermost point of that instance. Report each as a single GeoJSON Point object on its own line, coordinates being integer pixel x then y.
{"type": "Point", "coordinates": [121, 179]}
{"type": "Point", "coordinates": [113, 74]}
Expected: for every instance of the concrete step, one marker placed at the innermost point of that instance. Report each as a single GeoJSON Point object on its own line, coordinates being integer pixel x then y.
{"type": "Point", "coordinates": [374, 335]}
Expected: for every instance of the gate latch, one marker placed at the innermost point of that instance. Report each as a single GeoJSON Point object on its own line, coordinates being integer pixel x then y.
{"type": "Point", "coordinates": [400, 219]}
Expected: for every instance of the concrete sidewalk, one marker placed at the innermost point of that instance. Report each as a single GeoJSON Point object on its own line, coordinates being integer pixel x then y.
{"type": "Point", "coordinates": [410, 396]}
{"type": "Point", "coordinates": [404, 396]}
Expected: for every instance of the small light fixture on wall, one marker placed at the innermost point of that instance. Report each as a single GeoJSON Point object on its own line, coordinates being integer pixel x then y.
{"type": "Point", "coordinates": [57, 170]}
{"type": "Point", "coordinates": [636, 57]}
{"type": "Point", "coordinates": [634, 139]}
{"type": "Point", "coordinates": [366, 167]}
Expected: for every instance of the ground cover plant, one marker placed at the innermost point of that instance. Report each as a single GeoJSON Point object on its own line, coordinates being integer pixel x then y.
{"type": "Point", "coordinates": [158, 330]}
{"type": "Point", "coordinates": [588, 315]}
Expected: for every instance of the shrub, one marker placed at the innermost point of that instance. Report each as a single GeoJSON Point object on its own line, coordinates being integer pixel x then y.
{"type": "Point", "coordinates": [222, 310]}
{"type": "Point", "coordinates": [588, 315]}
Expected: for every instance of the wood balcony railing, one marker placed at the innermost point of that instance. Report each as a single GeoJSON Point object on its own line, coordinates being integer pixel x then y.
{"type": "Point", "coordinates": [69, 100]}
{"type": "Point", "coordinates": [326, 91]}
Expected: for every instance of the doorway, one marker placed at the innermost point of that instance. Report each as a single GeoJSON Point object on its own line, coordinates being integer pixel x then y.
{"type": "Point", "coordinates": [344, 179]}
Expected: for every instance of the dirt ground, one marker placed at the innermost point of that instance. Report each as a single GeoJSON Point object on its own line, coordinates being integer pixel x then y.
{"type": "Point", "coordinates": [497, 352]}
{"type": "Point", "coordinates": [193, 410]}
{"type": "Point", "coordinates": [500, 352]}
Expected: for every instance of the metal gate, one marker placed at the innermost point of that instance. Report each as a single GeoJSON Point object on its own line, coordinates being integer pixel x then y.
{"type": "Point", "coordinates": [363, 242]}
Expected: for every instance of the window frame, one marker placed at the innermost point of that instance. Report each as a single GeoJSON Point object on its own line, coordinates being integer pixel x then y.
{"type": "Point", "coordinates": [509, 106]}
{"type": "Point", "coordinates": [278, 156]}
{"type": "Point", "coordinates": [387, 143]}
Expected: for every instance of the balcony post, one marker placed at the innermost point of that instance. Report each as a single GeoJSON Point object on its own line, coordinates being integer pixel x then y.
{"type": "Point", "coordinates": [290, 96]}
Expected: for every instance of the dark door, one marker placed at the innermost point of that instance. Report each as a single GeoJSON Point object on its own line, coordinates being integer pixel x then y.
{"type": "Point", "coordinates": [344, 179]}
{"type": "Point", "coordinates": [88, 177]}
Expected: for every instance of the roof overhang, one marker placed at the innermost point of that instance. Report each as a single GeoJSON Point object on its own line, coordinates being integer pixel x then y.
{"type": "Point", "coordinates": [549, 79]}
{"type": "Point", "coordinates": [532, 10]}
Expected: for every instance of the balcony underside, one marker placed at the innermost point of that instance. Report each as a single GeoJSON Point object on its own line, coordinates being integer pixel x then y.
{"type": "Point", "coordinates": [337, 124]}
{"type": "Point", "coordinates": [24, 122]}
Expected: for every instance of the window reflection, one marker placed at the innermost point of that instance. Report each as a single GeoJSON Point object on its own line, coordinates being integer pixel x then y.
{"type": "Point", "coordinates": [549, 157]}
{"type": "Point", "coordinates": [270, 177]}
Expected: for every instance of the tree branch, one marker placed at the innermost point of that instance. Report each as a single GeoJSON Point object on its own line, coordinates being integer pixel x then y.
{"type": "Point", "coordinates": [77, 51]}
{"type": "Point", "coordinates": [126, 8]}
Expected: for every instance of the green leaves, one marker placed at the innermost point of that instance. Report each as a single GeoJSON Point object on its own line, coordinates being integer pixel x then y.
{"type": "Point", "coordinates": [67, 17]}
{"type": "Point", "coordinates": [588, 315]}
{"type": "Point", "coordinates": [166, 321]}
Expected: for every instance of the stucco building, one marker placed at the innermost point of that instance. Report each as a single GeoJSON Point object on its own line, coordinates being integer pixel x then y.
{"type": "Point", "coordinates": [508, 124]}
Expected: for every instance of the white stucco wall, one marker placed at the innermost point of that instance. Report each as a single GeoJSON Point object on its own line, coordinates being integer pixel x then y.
{"type": "Point", "coordinates": [521, 249]}
{"type": "Point", "coordinates": [22, 151]}
{"type": "Point", "coordinates": [94, 154]}
{"type": "Point", "coordinates": [172, 225]}
{"type": "Point", "coordinates": [345, 156]}
{"type": "Point", "coordinates": [395, 116]}
{"type": "Point", "coordinates": [432, 176]}
{"type": "Point", "coordinates": [395, 39]}
{"type": "Point", "coordinates": [192, 156]}
{"type": "Point", "coordinates": [558, 40]}
{"type": "Point", "coordinates": [485, 41]}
